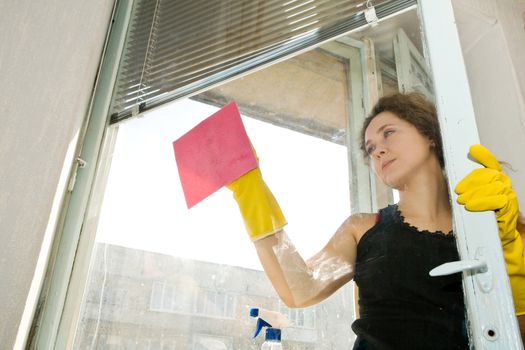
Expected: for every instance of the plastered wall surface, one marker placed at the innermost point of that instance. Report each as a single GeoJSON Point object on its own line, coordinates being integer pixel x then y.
{"type": "Point", "coordinates": [492, 38]}
{"type": "Point", "coordinates": [49, 56]}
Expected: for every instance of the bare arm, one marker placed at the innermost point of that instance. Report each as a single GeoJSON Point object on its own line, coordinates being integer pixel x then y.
{"type": "Point", "coordinates": [298, 282]}
{"type": "Point", "coordinates": [301, 283]}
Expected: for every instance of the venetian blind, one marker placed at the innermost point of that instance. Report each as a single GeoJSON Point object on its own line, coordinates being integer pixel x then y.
{"type": "Point", "coordinates": [175, 48]}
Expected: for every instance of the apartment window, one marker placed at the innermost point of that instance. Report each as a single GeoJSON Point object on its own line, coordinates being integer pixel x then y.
{"type": "Point", "coordinates": [206, 302]}
{"type": "Point", "coordinates": [210, 342]}
{"type": "Point", "coordinates": [159, 344]}
{"type": "Point", "coordinates": [215, 304]}
{"type": "Point", "coordinates": [170, 298]}
{"type": "Point", "coordinates": [301, 317]}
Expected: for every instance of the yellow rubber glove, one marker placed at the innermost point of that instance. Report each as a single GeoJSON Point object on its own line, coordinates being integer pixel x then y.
{"type": "Point", "coordinates": [259, 209]}
{"type": "Point", "coordinates": [490, 189]}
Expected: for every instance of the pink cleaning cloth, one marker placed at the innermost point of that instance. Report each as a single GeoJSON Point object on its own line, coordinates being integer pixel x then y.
{"type": "Point", "coordinates": [213, 154]}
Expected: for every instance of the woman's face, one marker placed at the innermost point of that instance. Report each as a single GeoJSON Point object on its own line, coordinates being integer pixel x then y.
{"type": "Point", "coordinates": [396, 149]}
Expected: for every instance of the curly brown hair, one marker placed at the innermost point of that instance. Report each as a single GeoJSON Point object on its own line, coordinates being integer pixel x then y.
{"type": "Point", "coordinates": [415, 109]}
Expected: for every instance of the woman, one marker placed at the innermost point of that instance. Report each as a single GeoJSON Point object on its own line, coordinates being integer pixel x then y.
{"type": "Point", "coordinates": [390, 253]}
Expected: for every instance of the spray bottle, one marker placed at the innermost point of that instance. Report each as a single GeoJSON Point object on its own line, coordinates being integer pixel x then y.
{"type": "Point", "coordinates": [274, 321]}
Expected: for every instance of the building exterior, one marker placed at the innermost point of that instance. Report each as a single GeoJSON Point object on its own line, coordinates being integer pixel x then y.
{"type": "Point", "coordinates": [144, 300]}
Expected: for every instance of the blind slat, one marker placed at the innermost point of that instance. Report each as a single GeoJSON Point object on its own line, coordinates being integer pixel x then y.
{"type": "Point", "coordinates": [175, 48]}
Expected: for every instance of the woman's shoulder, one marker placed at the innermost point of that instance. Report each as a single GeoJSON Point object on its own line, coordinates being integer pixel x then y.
{"type": "Point", "coordinates": [358, 224]}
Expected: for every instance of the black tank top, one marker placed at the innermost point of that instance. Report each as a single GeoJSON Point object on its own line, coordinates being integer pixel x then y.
{"type": "Point", "coordinates": [400, 305]}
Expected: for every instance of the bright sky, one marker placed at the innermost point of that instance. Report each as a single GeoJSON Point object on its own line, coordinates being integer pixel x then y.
{"type": "Point", "coordinates": [144, 207]}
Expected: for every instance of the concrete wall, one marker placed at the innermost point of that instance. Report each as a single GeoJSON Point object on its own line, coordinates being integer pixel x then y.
{"type": "Point", "coordinates": [49, 56]}
{"type": "Point", "coordinates": [492, 35]}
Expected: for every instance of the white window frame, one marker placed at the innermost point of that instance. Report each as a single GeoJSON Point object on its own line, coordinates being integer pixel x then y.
{"type": "Point", "coordinates": [489, 308]}
{"type": "Point", "coordinates": [362, 96]}
{"type": "Point", "coordinates": [487, 294]}
{"type": "Point", "coordinates": [407, 55]}
{"type": "Point", "coordinates": [62, 292]}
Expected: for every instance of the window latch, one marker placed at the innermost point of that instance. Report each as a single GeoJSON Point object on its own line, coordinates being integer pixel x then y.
{"type": "Point", "coordinates": [79, 163]}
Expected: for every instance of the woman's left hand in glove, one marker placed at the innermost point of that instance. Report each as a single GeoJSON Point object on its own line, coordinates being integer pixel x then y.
{"type": "Point", "coordinates": [489, 188]}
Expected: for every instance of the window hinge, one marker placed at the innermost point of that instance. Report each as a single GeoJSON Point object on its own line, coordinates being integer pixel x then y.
{"type": "Point", "coordinates": [79, 163]}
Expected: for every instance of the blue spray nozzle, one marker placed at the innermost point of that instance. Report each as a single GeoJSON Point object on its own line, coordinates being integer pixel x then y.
{"type": "Point", "coordinates": [273, 334]}
{"type": "Point", "coordinates": [260, 324]}
{"type": "Point", "coordinates": [254, 312]}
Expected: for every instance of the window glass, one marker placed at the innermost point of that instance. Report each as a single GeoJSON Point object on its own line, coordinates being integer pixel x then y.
{"type": "Point", "coordinates": [163, 276]}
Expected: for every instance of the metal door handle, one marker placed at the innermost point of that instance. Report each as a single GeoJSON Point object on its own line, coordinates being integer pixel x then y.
{"type": "Point", "coordinates": [458, 266]}
{"type": "Point", "coordinates": [477, 266]}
